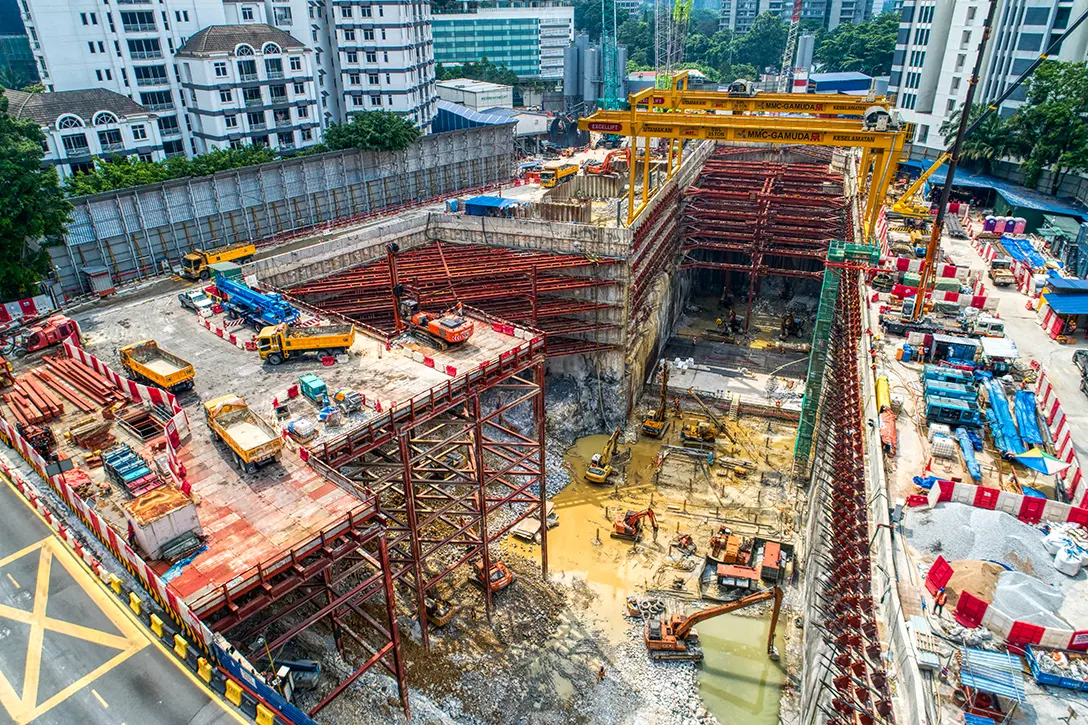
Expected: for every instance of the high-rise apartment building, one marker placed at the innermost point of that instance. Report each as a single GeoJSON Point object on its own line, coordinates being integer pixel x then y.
{"type": "Point", "coordinates": [938, 44]}
{"type": "Point", "coordinates": [738, 15]}
{"type": "Point", "coordinates": [130, 47]}
{"type": "Point", "coordinates": [527, 36]}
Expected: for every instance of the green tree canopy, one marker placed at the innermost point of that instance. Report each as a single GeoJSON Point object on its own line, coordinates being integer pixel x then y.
{"type": "Point", "coordinates": [865, 47]}
{"type": "Point", "coordinates": [32, 207]}
{"type": "Point", "coordinates": [764, 42]}
{"type": "Point", "coordinates": [123, 172]}
{"type": "Point", "coordinates": [372, 131]}
{"type": "Point", "coordinates": [1052, 122]}
{"type": "Point", "coordinates": [987, 144]}
{"type": "Point", "coordinates": [484, 70]}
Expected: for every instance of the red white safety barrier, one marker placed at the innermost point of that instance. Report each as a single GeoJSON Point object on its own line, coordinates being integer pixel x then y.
{"type": "Point", "coordinates": [35, 306]}
{"type": "Point", "coordinates": [221, 332]}
{"type": "Point", "coordinates": [972, 612]}
{"type": "Point", "coordinates": [979, 301]}
{"type": "Point", "coordinates": [291, 392]}
{"type": "Point", "coordinates": [1050, 321]}
{"type": "Point", "coordinates": [907, 264]}
{"type": "Point", "coordinates": [105, 533]}
{"type": "Point", "coordinates": [176, 429]}
{"type": "Point", "coordinates": [882, 230]}
{"type": "Point", "coordinates": [1047, 399]}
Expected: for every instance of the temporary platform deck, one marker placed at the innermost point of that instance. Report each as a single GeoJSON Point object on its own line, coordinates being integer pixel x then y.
{"type": "Point", "coordinates": [559, 294]}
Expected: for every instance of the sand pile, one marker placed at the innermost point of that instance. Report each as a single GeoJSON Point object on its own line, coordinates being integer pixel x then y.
{"type": "Point", "coordinates": [975, 577]}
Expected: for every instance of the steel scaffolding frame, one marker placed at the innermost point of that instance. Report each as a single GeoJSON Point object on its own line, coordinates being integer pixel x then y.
{"type": "Point", "coordinates": [453, 473]}
{"type": "Point", "coordinates": [522, 286]}
{"type": "Point", "coordinates": [762, 218]}
{"type": "Point", "coordinates": [348, 573]}
{"type": "Point", "coordinates": [858, 689]}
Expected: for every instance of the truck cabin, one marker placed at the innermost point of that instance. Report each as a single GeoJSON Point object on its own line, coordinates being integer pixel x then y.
{"type": "Point", "coordinates": [193, 265]}
{"type": "Point", "coordinates": [1001, 263]}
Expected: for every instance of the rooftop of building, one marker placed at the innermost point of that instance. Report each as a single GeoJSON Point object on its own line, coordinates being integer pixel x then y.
{"type": "Point", "coordinates": [467, 84]}
{"type": "Point", "coordinates": [46, 108]}
{"type": "Point", "coordinates": [226, 38]}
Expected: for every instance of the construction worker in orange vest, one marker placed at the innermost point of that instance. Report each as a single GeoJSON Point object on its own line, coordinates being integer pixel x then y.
{"type": "Point", "coordinates": [939, 601]}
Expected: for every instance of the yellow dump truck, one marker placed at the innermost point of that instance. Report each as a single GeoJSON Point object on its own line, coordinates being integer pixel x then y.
{"type": "Point", "coordinates": [194, 265]}
{"type": "Point", "coordinates": [277, 343]}
{"type": "Point", "coordinates": [146, 362]}
{"type": "Point", "coordinates": [555, 174]}
{"type": "Point", "coordinates": [252, 441]}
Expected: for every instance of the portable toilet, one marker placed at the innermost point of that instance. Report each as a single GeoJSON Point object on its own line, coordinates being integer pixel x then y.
{"type": "Point", "coordinates": [989, 223]}
{"type": "Point", "coordinates": [999, 225]}
{"type": "Point", "coordinates": [1019, 225]}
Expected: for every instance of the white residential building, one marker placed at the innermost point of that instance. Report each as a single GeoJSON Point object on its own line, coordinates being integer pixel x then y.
{"type": "Point", "coordinates": [365, 55]}
{"type": "Point", "coordinates": [249, 84]}
{"type": "Point", "coordinates": [80, 125]}
{"type": "Point", "coordinates": [127, 47]}
{"type": "Point", "coordinates": [385, 58]}
{"type": "Point", "coordinates": [738, 15]}
{"type": "Point", "coordinates": [938, 44]}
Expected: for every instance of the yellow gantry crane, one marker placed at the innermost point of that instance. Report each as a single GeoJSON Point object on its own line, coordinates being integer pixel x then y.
{"type": "Point", "coordinates": [742, 115]}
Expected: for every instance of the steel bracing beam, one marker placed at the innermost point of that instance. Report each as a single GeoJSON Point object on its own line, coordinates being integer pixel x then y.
{"type": "Point", "coordinates": [454, 476]}
{"type": "Point", "coordinates": [351, 567]}
{"type": "Point", "coordinates": [557, 292]}
{"type": "Point", "coordinates": [762, 218]}
{"type": "Point", "coordinates": [855, 682]}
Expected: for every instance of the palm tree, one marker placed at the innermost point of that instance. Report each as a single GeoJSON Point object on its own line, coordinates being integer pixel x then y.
{"type": "Point", "coordinates": [987, 144]}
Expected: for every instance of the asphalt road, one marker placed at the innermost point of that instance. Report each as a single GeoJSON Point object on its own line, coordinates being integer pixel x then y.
{"type": "Point", "coordinates": [70, 652]}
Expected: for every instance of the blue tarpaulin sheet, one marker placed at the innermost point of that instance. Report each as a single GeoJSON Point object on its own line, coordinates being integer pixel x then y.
{"type": "Point", "coordinates": [999, 418]}
{"type": "Point", "coordinates": [1016, 195]}
{"type": "Point", "coordinates": [1021, 250]}
{"type": "Point", "coordinates": [969, 454]}
{"type": "Point", "coordinates": [1026, 420]}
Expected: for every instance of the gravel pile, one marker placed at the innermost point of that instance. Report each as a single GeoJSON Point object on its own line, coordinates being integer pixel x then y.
{"type": "Point", "coordinates": [1026, 599]}
{"type": "Point", "coordinates": [958, 531]}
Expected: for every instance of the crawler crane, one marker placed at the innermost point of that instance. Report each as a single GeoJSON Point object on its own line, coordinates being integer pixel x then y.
{"type": "Point", "coordinates": [437, 330]}
{"type": "Point", "coordinates": [701, 431]}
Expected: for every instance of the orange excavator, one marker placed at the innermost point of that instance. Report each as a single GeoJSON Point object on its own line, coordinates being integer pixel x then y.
{"type": "Point", "coordinates": [675, 638]}
{"type": "Point", "coordinates": [499, 578]}
{"type": "Point", "coordinates": [600, 168]}
{"type": "Point", "coordinates": [630, 526]}
{"type": "Point", "coordinates": [437, 330]}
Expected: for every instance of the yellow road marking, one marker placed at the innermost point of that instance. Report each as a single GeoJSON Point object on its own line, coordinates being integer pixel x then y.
{"type": "Point", "coordinates": [24, 551]}
{"type": "Point", "coordinates": [125, 621]}
{"type": "Point", "coordinates": [15, 583]}
{"type": "Point", "coordinates": [98, 697]}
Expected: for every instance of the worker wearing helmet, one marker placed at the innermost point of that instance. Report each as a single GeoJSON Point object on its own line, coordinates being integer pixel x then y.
{"type": "Point", "coordinates": [939, 601]}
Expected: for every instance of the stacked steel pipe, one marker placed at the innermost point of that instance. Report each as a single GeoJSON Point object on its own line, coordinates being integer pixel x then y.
{"type": "Point", "coordinates": [858, 683]}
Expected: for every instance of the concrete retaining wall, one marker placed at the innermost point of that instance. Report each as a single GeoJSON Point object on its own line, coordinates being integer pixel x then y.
{"type": "Point", "coordinates": [136, 232]}
{"type": "Point", "coordinates": [343, 252]}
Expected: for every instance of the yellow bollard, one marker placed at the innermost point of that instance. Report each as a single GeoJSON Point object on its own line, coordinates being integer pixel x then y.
{"type": "Point", "coordinates": [264, 716]}
{"type": "Point", "coordinates": [181, 647]}
{"type": "Point", "coordinates": [234, 693]}
{"type": "Point", "coordinates": [134, 602]}
{"type": "Point", "coordinates": [203, 669]}
{"type": "Point", "coordinates": [156, 625]}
